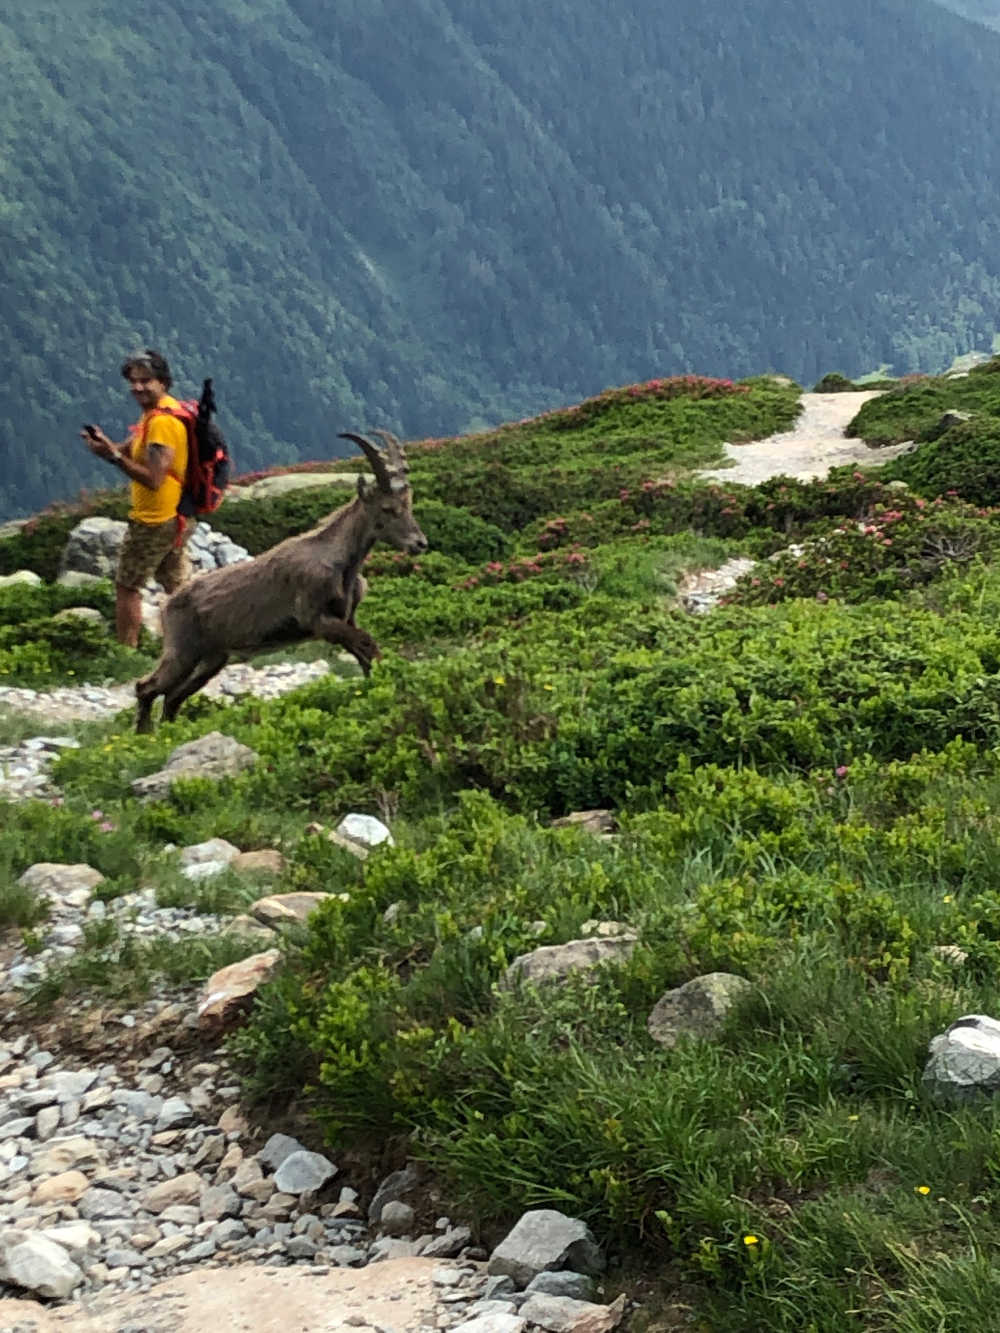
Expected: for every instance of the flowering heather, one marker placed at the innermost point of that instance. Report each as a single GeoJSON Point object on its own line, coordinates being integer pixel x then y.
{"type": "Point", "coordinates": [891, 549]}
{"type": "Point", "coordinates": [527, 567]}
{"type": "Point", "coordinates": [695, 387]}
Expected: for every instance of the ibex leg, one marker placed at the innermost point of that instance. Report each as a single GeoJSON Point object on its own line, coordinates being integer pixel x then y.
{"type": "Point", "coordinates": [358, 590]}
{"type": "Point", "coordinates": [358, 642]}
{"type": "Point", "coordinates": [201, 675]}
{"type": "Point", "coordinates": [170, 671]}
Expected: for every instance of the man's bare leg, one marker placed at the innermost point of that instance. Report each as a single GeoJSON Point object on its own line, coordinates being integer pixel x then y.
{"type": "Point", "coordinates": [128, 615]}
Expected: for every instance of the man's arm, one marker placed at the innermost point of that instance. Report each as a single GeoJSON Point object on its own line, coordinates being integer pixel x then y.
{"type": "Point", "coordinates": [152, 473]}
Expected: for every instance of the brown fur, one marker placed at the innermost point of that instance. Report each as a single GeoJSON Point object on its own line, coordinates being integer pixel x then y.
{"type": "Point", "coordinates": [306, 587]}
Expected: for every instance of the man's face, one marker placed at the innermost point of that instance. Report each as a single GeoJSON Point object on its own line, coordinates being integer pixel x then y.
{"type": "Point", "coordinates": [146, 391]}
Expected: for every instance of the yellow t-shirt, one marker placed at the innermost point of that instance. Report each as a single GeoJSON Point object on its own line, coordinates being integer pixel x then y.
{"type": "Point", "coordinates": [157, 427]}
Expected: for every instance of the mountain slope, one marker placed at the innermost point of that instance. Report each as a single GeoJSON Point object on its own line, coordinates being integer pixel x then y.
{"type": "Point", "coordinates": [433, 216]}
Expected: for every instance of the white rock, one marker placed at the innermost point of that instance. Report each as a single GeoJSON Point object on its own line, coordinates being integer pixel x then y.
{"type": "Point", "coordinates": [41, 1266]}
{"type": "Point", "coordinates": [965, 1060]}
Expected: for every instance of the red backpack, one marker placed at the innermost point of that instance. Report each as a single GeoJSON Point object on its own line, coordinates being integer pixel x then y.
{"type": "Point", "coordinates": [208, 461]}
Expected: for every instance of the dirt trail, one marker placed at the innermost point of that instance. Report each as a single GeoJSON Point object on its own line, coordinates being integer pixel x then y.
{"type": "Point", "coordinates": [395, 1294]}
{"type": "Point", "coordinates": [814, 444]}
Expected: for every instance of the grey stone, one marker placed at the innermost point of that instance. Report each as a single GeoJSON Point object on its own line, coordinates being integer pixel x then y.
{"type": "Point", "coordinates": [301, 1247]}
{"type": "Point", "coordinates": [213, 756]}
{"type": "Point", "coordinates": [219, 1201]}
{"type": "Point", "coordinates": [141, 1105]}
{"type": "Point", "coordinates": [577, 1286]}
{"type": "Point", "coordinates": [199, 1252]}
{"type": "Point", "coordinates": [303, 1172]}
{"type": "Point", "coordinates": [964, 1060]}
{"type": "Point", "coordinates": [446, 1246]}
{"type": "Point", "coordinates": [276, 1149]}
{"type": "Point", "coordinates": [389, 1247]}
{"type": "Point", "coordinates": [560, 1314]}
{"type": "Point", "coordinates": [696, 1009]}
{"type": "Point", "coordinates": [397, 1218]}
{"type": "Point", "coordinates": [394, 1186]}
{"type": "Point", "coordinates": [360, 834]}
{"type": "Point", "coordinates": [102, 1203]}
{"type": "Point", "coordinates": [499, 1285]}
{"type": "Point", "coordinates": [346, 1256]}
{"type": "Point", "coordinates": [492, 1323]}
{"type": "Point", "coordinates": [39, 1265]}
{"type": "Point", "coordinates": [545, 1239]}
{"type": "Point", "coordinates": [551, 962]}
{"type": "Point", "coordinates": [124, 1258]}
{"type": "Point", "coordinates": [174, 1113]}
{"type": "Point", "coordinates": [215, 849]}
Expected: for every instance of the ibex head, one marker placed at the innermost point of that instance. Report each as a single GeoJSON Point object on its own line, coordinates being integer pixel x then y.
{"type": "Point", "coordinates": [388, 498]}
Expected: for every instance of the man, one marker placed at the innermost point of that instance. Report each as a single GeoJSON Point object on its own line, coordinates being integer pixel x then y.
{"type": "Point", "coordinates": [155, 461]}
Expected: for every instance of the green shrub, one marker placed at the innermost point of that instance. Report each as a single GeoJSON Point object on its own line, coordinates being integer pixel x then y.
{"type": "Point", "coordinates": [257, 525]}
{"type": "Point", "coordinates": [455, 532]}
{"type": "Point", "coordinates": [38, 650]}
{"type": "Point", "coordinates": [964, 462]}
{"type": "Point", "coordinates": [896, 550]}
{"type": "Point", "coordinates": [834, 382]}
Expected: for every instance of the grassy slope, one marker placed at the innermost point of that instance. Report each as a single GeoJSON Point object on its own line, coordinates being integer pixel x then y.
{"type": "Point", "coordinates": [806, 783]}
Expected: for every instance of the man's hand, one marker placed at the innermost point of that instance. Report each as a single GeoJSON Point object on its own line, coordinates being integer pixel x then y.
{"type": "Point", "coordinates": [98, 443]}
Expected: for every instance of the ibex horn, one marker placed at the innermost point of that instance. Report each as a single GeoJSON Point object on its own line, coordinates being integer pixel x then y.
{"type": "Point", "coordinates": [374, 455]}
{"type": "Point", "coordinates": [393, 450]}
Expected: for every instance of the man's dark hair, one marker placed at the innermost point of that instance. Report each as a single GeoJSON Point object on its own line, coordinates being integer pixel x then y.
{"type": "Point", "coordinates": [151, 361]}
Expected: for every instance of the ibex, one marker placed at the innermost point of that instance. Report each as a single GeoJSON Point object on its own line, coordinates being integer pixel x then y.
{"type": "Point", "coordinates": [306, 587]}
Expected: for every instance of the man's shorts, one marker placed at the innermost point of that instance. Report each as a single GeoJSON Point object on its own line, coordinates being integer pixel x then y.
{"type": "Point", "coordinates": [150, 550]}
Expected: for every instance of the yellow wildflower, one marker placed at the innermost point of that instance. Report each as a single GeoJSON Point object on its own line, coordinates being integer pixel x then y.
{"type": "Point", "coordinates": [922, 1189]}
{"type": "Point", "coordinates": [751, 1240]}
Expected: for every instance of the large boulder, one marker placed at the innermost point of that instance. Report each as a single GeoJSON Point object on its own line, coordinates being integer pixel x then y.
{"type": "Point", "coordinates": [93, 546]}
{"type": "Point", "coordinates": [964, 1061]}
{"type": "Point", "coordinates": [212, 756]}
{"type": "Point", "coordinates": [696, 1009]}
{"type": "Point", "coordinates": [62, 886]}
{"type": "Point", "coordinates": [546, 1239]}
{"type": "Point", "coordinates": [37, 1264]}
{"type": "Point", "coordinates": [552, 962]}
{"type": "Point", "coordinates": [228, 993]}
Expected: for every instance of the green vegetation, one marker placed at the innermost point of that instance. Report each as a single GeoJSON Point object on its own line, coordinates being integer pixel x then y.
{"type": "Point", "coordinates": [420, 215]}
{"type": "Point", "coordinates": [806, 784]}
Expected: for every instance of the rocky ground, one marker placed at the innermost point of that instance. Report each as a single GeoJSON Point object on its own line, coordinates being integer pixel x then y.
{"type": "Point", "coordinates": [24, 767]}
{"type": "Point", "coordinates": [135, 1194]}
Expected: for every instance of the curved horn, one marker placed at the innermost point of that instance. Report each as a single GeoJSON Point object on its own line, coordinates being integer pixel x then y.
{"type": "Point", "coordinates": [374, 455]}
{"type": "Point", "coordinates": [394, 452]}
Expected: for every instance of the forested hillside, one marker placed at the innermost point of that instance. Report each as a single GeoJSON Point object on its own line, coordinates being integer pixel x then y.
{"type": "Point", "coordinates": [432, 215]}
{"type": "Point", "coordinates": [980, 11]}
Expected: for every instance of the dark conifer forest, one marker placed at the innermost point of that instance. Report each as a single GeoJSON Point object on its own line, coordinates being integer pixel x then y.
{"type": "Point", "coordinates": [432, 215]}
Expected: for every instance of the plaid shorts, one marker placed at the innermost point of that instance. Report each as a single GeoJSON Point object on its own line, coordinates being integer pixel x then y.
{"type": "Point", "coordinates": [150, 551]}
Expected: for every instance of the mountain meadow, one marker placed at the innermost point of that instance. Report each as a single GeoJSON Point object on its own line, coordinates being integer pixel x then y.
{"type": "Point", "coordinates": [802, 788]}
{"type": "Point", "coordinates": [434, 217]}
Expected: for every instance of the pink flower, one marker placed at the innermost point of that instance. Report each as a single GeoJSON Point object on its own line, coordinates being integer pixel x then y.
{"type": "Point", "coordinates": [97, 814]}
{"type": "Point", "coordinates": [841, 771]}
{"type": "Point", "coordinates": [106, 826]}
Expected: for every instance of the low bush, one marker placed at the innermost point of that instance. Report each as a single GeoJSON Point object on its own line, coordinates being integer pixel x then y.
{"type": "Point", "coordinates": [38, 649]}
{"type": "Point", "coordinates": [896, 550]}
{"type": "Point", "coordinates": [834, 382]}
{"type": "Point", "coordinates": [963, 462]}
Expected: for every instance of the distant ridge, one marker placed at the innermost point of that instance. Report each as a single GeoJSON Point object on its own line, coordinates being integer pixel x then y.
{"type": "Point", "coordinates": [434, 216]}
